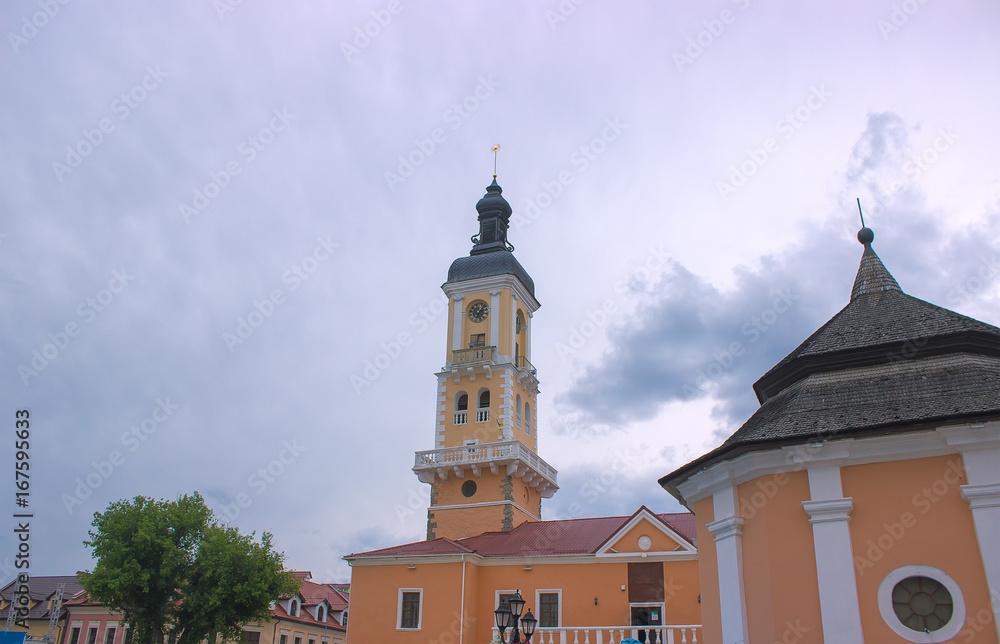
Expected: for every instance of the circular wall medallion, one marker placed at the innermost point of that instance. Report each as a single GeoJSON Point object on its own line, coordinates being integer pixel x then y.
{"type": "Point", "coordinates": [921, 604]}
{"type": "Point", "coordinates": [645, 542]}
{"type": "Point", "coordinates": [468, 488]}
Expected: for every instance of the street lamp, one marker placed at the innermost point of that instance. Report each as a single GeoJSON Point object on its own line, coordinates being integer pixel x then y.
{"type": "Point", "coordinates": [508, 615]}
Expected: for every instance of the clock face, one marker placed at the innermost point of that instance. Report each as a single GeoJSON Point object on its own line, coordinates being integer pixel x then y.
{"type": "Point", "coordinates": [478, 312]}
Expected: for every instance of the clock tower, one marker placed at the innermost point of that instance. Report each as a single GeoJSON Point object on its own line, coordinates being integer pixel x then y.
{"type": "Point", "coordinates": [484, 471]}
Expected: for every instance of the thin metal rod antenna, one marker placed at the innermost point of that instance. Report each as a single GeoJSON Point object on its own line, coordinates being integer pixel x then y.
{"type": "Point", "coordinates": [859, 212]}
{"type": "Point", "coordinates": [496, 148]}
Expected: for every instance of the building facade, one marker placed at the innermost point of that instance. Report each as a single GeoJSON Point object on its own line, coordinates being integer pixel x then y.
{"type": "Point", "coordinates": [861, 502]}
{"type": "Point", "coordinates": [585, 580]}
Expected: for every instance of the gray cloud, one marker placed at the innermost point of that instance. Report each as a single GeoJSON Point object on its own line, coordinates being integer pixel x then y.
{"type": "Point", "coordinates": [694, 340]}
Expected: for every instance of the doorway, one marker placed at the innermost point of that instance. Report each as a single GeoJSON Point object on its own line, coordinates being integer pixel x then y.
{"type": "Point", "coordinates": [646, 615]}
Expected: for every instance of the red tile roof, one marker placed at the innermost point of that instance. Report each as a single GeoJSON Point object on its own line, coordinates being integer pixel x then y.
{"type": "Point", "coordinates": [535, 538]}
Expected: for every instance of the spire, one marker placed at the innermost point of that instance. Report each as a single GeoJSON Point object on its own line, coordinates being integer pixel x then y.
{"type": "Point", "coordinates": [494, 219]}
{"type": "Point", "coordinates": [873, 277]}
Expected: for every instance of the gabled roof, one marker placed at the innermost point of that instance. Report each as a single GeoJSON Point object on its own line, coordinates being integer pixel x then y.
{"type": "Point", "coordinates": [886, 362]}
{"type": "Point", "coordinates": [40, 589]}
{"type": "Point", "coordinates": [534, 539]}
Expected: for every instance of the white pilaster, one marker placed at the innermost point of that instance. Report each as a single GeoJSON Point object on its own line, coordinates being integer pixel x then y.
{"type": "Point", "coordinates": [728, 531]}
{"type": "Point", "coordinates": [527, 336]}
{"type": "Point", "coordinates": [829, 513]}
{"type": "Point", "coordinates": [513, 324]}
{"type": "Point", "coordinates": [456, 333]}
{"type": "Point", "coordinates": [495, 319]}
{"type": "Point", "coordinates": [980, 449]}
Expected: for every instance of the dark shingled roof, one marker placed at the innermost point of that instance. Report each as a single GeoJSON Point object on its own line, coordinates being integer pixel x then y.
{"type": "Point", "coordinates": [41, 589]}
{"type": "Point", "coordinates": [886, 362]}
{"type": "Point", "coordinates": [496, 263]}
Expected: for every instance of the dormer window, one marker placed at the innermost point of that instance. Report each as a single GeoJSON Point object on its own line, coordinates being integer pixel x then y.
{"type": "Point", "coordinates": [293, 607]}
{"type": "Point", "coordinates": [321, 614]}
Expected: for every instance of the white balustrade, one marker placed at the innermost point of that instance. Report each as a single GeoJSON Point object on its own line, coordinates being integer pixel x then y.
{"type": "Point", "coordinates": [461, 417]}
{"type": "Point", "coordinates": [667, 634]}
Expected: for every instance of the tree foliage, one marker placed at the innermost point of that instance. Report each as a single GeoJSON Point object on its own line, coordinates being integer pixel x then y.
{"type": "Point", "coordinates": [178, 577]}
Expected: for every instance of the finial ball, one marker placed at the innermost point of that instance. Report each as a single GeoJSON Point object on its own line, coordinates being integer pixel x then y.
{"type": "Point", "coordinates": [866, 236]}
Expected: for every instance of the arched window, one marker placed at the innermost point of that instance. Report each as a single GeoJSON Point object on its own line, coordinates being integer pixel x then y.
{"type": "Point", "coordinates": [483, 411]}
{"type": "Point", "coordinates": [517, 409]}
{"type": "Point", "coordinates": [321, 614]}
{"type": "Point", "coordinates": [527, 418]}
{"type": "Point", "coordinates": [293, 607]}
{"type": "Point", "coordinates": [461, 408]}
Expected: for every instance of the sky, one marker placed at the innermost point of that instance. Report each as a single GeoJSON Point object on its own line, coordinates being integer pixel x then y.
{"type": "Point", "coordinates": [218, 218]}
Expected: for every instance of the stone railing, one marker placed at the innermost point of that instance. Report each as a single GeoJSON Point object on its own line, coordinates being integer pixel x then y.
{"type": "Point", "coordinates": [484, 454]}
{"type": "Point", "coordinates": [668, 634]}
{"type": "Point", "coordinates": [474, 354]}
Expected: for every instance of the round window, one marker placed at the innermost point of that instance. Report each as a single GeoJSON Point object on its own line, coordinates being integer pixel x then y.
{"type": "Point", "coordinates": [468, 488]}
{"type": "Point", "coordinates": [922, 604]}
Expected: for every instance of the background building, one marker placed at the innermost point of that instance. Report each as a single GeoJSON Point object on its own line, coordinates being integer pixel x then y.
{"type": "Point", "coordinates": [861, 502]}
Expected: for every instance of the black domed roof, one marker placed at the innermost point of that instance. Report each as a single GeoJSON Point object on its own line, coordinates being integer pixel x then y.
{"type": "Point", "coordinates": [491, 253]}
{"type": "Point", "coordinates": [487, 265]}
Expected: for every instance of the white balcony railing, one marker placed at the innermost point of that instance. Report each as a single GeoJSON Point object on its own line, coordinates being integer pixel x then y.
{"type": "Point", "coordinates": [512, 455]}
{"type": "Point", "coordinates": [668, 634]}
{"type": "Point", "coordinates": [461, 417]}
{"type": "Point", "coordinates": [482, 415]}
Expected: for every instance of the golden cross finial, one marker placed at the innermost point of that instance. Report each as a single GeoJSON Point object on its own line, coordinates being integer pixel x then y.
{"type": "Point", "coordinates": [496, 148]}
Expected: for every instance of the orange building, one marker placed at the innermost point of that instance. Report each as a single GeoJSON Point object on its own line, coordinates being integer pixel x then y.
{"type": "Point", "coordinates": [861, 502]}
{"type": "Point", "coordinates": [585, 580]}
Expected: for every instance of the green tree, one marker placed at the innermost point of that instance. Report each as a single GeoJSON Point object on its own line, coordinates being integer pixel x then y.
{"type": "Point", "coordinates": [176, 576]}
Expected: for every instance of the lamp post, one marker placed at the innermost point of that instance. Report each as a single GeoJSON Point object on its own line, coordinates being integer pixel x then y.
{"type": "Point", "coordinates": [509, 616]}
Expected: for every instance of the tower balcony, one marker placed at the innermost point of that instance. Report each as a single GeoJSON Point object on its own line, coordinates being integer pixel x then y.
{"type": "Point", "coordinates": [474, 355]}
{"type": "Point", "coordinates": [483, 360]}
{"type": "Point", "coordinates": [514, 456]}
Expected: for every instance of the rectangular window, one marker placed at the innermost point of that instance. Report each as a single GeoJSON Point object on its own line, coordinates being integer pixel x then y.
{"type": "Point", "coordinates": [548, 610]}
{"type": "Point", "coordinates": [251, 637]}
{"type": "Point", "coordinates": [75, 637]}
{"type": "Point", "coordinates": [409, 609]}
{"type": "Point", "coordinates": [312, 640]}
{"type": "Point", "coordinates": [298, 640]}
{"type": "Point", "coordinates": [477, 340]}
{"type": "Point", "coordinates": [127, 636]}
{"type": "Point", "coordinates": [92, 636]}
{"type": "Point", "coordinates": [283, 639]}
{"type": "Point", "coordinates": [109, 635]}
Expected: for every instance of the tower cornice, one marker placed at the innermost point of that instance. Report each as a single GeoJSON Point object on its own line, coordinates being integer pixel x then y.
{"type": "Point", "coordinates": [492, 282]}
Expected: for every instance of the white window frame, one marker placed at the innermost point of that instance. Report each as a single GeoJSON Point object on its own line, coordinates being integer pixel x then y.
{"type": "Point", "coordinates": [399, 609]}
{"type": "Point", "coordinates": [538, 606]}
{"type": "Point", "coordinates": [500, 591]}
{"type": "Point", "coordinates": [75, 624]}
{"type": "Point", "coordinates": [943, 634]}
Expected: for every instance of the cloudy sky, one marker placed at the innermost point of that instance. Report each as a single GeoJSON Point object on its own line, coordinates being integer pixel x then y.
{"type": "Point", "coordinates": [215, 215]}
